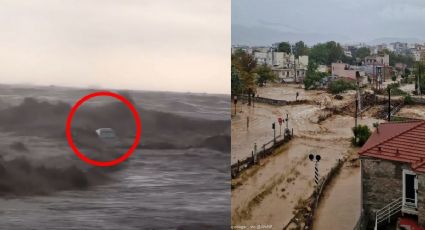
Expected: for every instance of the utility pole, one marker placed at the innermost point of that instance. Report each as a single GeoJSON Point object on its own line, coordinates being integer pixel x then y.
{"type": "Point", "coordinates": [419, 79]}
{"type": "Point", "coordinates": [255, 153]}
{"type": "Point", "coordinates": [295, 67]}
{"type": "Point", "coordinates": [359, 93]}
{"type": "Point", "coordinates": [355, 115]}
{"type": "Point", "coordinates": [389, 104]}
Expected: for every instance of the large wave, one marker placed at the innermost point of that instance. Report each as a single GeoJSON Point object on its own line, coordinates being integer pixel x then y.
{"type": "Point", "coordinates": [22, 175]}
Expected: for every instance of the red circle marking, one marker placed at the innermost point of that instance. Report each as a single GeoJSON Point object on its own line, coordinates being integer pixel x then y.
{"type": "Point", "coordinates": [119, 159]}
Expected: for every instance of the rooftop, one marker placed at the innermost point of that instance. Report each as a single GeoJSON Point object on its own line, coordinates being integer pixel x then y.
{"type": "Point", "coordinates": [398, 141]}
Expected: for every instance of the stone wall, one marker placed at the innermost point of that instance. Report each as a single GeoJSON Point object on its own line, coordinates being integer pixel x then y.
{"type": "Point", "coordinates": [421, 199]}
{"type": "Point", "coordinates": [382, 183]}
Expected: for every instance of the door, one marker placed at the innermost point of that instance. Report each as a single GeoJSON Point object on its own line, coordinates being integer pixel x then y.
{"type": "Point", "coordinates": [410, 185]}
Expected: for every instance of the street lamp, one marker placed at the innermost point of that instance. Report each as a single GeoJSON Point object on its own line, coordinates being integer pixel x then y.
{"type": "Point", "coordinates": [235, 101]}
{"type": "Point", "coordinates": [315, 158]}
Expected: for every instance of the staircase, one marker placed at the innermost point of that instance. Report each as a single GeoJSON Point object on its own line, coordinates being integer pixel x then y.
{"type": "Point", "coordinates": [388, 211]}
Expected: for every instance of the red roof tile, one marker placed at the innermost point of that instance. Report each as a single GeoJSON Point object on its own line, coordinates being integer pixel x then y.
{"type": "Point", "coordinates": [400, 141]}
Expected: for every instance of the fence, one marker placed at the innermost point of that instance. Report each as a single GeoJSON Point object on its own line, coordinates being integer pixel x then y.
{"type": "Point", "coordinates": [306, 214]}
{"type": "Point", "coordinates": [265, 150]}
{"type": "Point", "coordinates": [271, 101]}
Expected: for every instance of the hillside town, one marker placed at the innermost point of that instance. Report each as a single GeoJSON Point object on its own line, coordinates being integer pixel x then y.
{"type": "Point", "coordinates": [328, 136]}
{"type": "Point", "coordinates": [371, 61]}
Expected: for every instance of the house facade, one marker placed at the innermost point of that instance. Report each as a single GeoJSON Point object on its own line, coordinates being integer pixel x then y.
{"type": "Point", "coordinates": [286, 67]}
{"type": "Point", "coordinates": [378, 60]}
{"type": "Point", "coordinates": [393, 173]}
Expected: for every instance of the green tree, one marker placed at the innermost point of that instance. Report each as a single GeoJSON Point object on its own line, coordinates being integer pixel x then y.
{"type": "Point", "coordinates": [419, 72]}
{"type": "Point", "coordinates": [300, 49]}
{"type": "Point", "coordinates": [361, 135]}
{"type": "Point", "coordinates": [327, 53]}
{"type": "Point", "coordinates": [335, 52]}
{"type": "Point", "coordinates": [265, 74]}
{"type": "Point", "coordinates": [319, 54]}
{"type": "Point", "coordinates": [401, 58]}
{"type": "Point", "coordinates": [245, 64]}
{"type": "Point", "coordinates": [362, 52]}
{"type": "Point", "coordinates": [284, 47]}
{"type": "Point", "coordinates": [236, 83]}
{"type": "Point", "coordinates": [313, 77]}
{"type": "Point", "coordinates": [340, 86]}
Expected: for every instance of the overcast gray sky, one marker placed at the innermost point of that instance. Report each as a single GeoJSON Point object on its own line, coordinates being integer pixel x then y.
{"type": "Point", "coordinates": [315, 21]}
{"type": "Point", "coordinates": [134, 44]}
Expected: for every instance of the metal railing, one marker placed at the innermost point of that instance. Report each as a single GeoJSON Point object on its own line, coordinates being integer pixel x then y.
{"type": "Point", "coordinates": [388, 211]}
{"type": "Point", "coordinates": [263, 151]}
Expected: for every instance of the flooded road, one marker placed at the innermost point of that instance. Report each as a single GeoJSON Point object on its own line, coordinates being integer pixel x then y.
{"type": "Point", "coordinates": [340, 205]}
{"type": "Point", "coordinates": [267, 193]}
{"type": "Point", "coordinates": [412, 111]}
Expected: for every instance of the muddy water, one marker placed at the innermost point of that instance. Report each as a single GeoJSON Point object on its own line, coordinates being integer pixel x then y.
{"type": "Point", "coordinates": [285, 93]}
{"type": "Point", "coordinates": [268, 193]}
{"type": "Point", "coordinates": [302, 119]}
{"type": "Point", "coordinates": [340, 205]}
{"type": "Point", "coordinates": [287, 177]}
{"type": "Point", "coordinates": [416, 111]}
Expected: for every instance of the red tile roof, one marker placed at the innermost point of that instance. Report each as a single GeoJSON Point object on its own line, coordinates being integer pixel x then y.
{"type": "Point", "coordinates": [401, 141]}
{"type": "Point", "coordinates": [409, 223]}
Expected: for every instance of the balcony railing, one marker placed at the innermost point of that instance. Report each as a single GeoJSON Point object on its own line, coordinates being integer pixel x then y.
{"type": "Point", "coordinates": [395, 207]}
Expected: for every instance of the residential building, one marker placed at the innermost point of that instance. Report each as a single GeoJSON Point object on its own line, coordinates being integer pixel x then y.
{"type": "Point", "coordinates": [399, 47]}
{"type": "Point", "coordinates": [323, 68]}
{"type": "Point", "coordinates": [393, 173]}
{"type": "Point", "coordinates": [377, 60]}
{"type": "Point", "coordinates": [284, 65]}
{"type": "Point", "coordinates": [347, 53]}
{"type": "Point", "coordinates": [344, 70]}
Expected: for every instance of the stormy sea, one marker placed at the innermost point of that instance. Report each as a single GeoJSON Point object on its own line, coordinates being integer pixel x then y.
{"type": "Point", "coordinates": [178, 177]}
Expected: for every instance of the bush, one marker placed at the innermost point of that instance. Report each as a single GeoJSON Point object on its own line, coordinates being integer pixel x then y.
{"type": "Point", "coordinates": [313, 77]}
{"type": "Point", "coordinates": [362, 132]}
{"type": "Point", "coordinates": [395, 91]}
{"type": "Point", "coordinates": [408, 99]}
{"type": "Point", "coordinates": [340, 86]}
{"type": "Point", "coordinates": [394, 78]}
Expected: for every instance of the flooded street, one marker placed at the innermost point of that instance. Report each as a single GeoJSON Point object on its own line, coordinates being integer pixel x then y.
{"type": "Point", "coordinates": [343, 194]}
{"type": "Point", "coordinates": [412, 111]}
{"type": "Point", "coordinates": [286, 177]}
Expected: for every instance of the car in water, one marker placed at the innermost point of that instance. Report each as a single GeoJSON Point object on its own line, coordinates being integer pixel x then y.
{"type": "Point", "coordinates": [106, 133]}
{"type": "Point", "coordinates": [108, 136]}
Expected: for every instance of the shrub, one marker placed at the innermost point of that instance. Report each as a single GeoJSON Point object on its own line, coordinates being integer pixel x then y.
{"type": "Point", "coordinates": [340, 86]}
{"type": "Point", "coordinates": [395, 91]}
{"type": "Point", "coordinates": [361, 134]}
{"type": "Point", "coordinates": [394, 78]}
{"type": "Point", "coordinates": [408, 99]}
